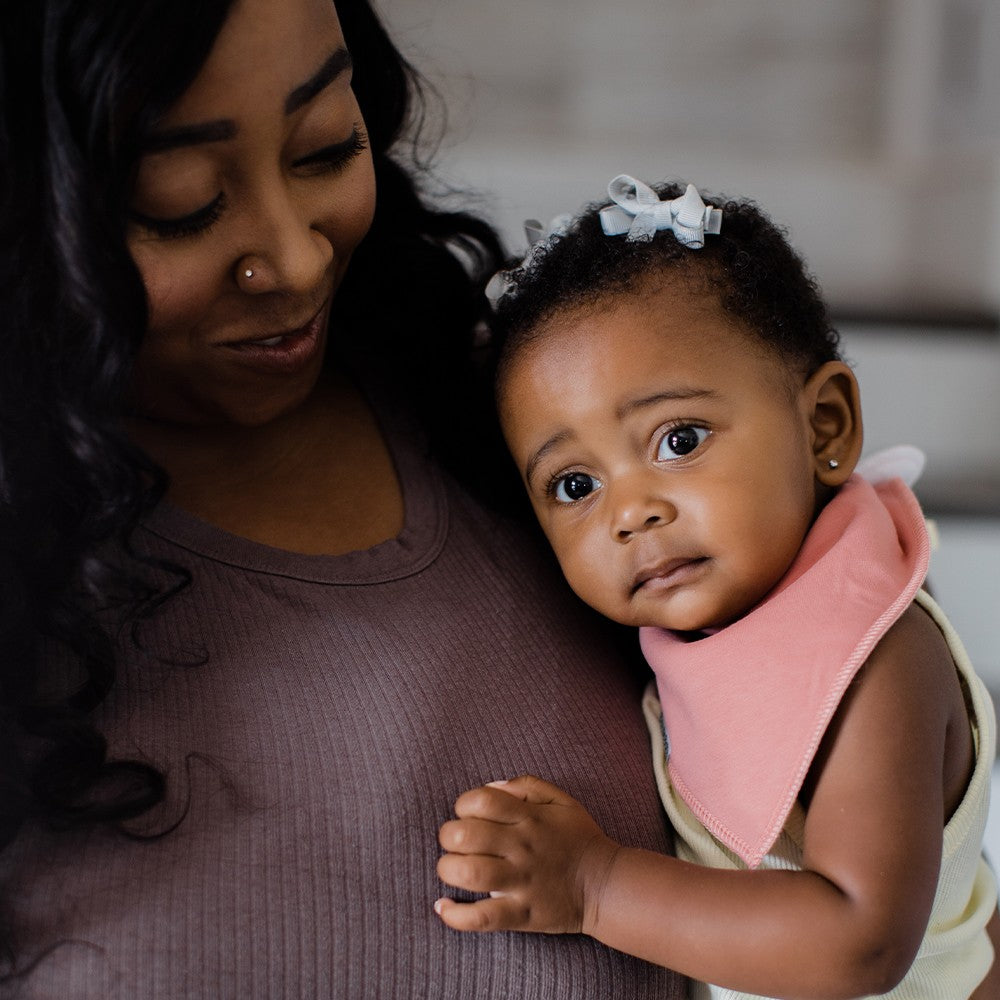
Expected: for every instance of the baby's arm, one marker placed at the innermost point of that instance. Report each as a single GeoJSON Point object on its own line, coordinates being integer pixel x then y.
{"type": "Point", "coordinates": [849, 924]}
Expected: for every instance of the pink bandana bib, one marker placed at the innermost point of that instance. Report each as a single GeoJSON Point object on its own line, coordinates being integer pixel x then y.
{"type": "Point", "coordinates": [745, 709]}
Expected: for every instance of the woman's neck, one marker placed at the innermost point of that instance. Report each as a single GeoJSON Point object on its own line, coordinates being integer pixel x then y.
{"type": "Point", "coordinates": [317, 480]}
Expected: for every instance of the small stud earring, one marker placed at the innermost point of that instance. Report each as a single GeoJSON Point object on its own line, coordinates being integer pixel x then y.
{"type": "Point", "coordinates": [833, 463]}
{"type": "Point", "coordinates": [248, 273]}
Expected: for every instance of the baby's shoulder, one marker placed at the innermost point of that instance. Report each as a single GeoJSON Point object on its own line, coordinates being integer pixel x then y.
{"type": "Point", "coordinates": [908, 687]}
{"type": "Point", "coordinates": [914, 672]}
{"type": "Point", "coordinates": [914, 645]}
{"type": "Point", "coordinates": [910, 675]}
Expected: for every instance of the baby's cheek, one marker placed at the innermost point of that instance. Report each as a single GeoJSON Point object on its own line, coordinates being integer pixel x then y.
{"type": "Point", "coordinates": [591, 574]}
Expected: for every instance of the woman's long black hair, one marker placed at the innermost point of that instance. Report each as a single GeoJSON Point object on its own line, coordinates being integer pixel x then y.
{"type": "Point", "coordinates": [81, 83]}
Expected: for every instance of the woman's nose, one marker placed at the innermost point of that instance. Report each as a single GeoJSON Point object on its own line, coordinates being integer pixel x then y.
{"type": "Point", "coordinates": [637, 513]}
{"type": "Point", "coordinates": [289, 254]}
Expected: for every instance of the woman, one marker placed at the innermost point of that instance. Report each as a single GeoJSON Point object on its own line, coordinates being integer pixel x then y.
{"type": "Point", "coordinates": [245, 612]}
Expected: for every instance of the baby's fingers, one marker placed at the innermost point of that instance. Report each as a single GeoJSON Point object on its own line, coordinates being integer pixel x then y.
{"type": "Point", "coordinates": [474, 872]}
{"type": "Point", "coordinates": [530, 788]}
{"type": "Point", "coordinates": [492, 803]}
{"type": "Point", "coordinates": [510, 801]}
{"type": "Point", "coordinates": [475, 836]}
{"type": "Point", "coordinates": [498, 913]}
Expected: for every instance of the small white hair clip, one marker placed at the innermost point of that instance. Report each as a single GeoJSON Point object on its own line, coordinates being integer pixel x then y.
{"type": "Point", "coordinates": [538, 236]}
{"type": "Point", "coordinates": [638, 213]}
{"type": "Point", "coordinates": [536, 233]}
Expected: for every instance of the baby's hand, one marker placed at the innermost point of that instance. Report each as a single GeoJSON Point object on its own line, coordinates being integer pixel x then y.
{"type": "Point", "coordinates": [534, 849]}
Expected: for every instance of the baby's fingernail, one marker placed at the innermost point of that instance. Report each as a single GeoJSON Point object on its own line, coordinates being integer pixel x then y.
{"type": "Point", "coordinates": [497, 894]}
{"type": "Point", "coordinates": [497, 784]}
{"type": "Point", "coordinates": [438, 906]}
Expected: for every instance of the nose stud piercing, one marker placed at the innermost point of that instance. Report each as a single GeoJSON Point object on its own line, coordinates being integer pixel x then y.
{"type": "Point", "coordinates": [833, 463]}
{"type": "Point", "coordinates": [248, 273]}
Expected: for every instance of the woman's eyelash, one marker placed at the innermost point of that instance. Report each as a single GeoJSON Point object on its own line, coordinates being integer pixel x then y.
{"type": "Point", "coordinates": [187, 225]}
{"type": "Point", "coordinates": [329, 158]}
{"type": "Point", "coordinates": [337, 155]}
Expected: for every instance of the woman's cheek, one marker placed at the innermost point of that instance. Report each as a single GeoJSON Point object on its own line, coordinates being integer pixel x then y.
{"type": "Point", "coordinates": [177, 289]}
{"type": "Point", "coordinates": [356, 211]}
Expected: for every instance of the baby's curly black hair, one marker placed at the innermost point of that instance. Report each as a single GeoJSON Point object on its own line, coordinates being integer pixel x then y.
{"type": "Point", "coordinates": [759, 279]}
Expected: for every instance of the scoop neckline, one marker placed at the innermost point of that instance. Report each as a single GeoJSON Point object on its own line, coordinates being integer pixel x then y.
{"type": "Point", "coordinates": [425, 523]}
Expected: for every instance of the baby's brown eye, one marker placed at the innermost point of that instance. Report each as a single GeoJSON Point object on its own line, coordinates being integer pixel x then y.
{"type": "Point", "coordinates": [680, 441]}
{"type": "Point", "coordinates": [575, 486]}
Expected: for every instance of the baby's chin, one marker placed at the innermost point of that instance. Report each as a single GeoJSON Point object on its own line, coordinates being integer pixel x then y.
{"type": "Point", "coordinates": [672, 623]}
{"type": "Point", "coordinates": [688, 620]}
{"type": "Point", "coordinates": [677, 612]}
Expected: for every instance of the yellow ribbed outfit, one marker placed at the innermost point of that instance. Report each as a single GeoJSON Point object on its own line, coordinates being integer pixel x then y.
{"type": "Point", "coordinates": [955, 953]}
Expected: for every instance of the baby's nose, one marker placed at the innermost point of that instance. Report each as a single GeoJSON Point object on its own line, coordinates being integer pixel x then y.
{"type": "Point", "coordinates": [638, 515]}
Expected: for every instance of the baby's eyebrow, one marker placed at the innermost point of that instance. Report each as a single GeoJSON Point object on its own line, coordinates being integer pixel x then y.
{"type": "Point", "coordinates": [626, 408]}
{"type": "Point", "coordinates": [667, 396]}
{"type": "Point", "coordinates": [560, 437]}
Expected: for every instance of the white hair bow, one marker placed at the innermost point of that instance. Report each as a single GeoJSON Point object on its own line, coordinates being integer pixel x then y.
{"type": "Point", "coordinates": [638, 212]}
{"type": "Point", "coordinates": [538, 236]}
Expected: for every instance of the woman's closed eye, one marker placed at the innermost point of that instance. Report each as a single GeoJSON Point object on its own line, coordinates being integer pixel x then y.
{"type": "Point", "coordinates": [185, 225]}
{"type": "Point", "coordinates": [573, 486]}
{"type": "Point", "coordinates": [680, 441]}
{"type": "Point", "coordinates": [336, 156]}
{"type": "Point", "coordinates": [328, 159]}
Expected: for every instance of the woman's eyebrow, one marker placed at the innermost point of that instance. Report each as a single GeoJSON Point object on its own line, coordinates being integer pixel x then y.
{"type": "Point", "coordinates": [189, 135]}
{"type": "Point", "coordinates": [339, 62]}
{"type": "Point", "coordinates": [225, 128]}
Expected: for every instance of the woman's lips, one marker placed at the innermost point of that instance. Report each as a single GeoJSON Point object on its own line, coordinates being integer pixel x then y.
{"type": "Point", "coordinates": [282, 352]}
{"type": "Point", "coordinates": [670, 573]}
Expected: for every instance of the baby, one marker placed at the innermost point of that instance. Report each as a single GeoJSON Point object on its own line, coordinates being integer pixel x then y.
{"type": "Point", "coordinates": [672, 393]}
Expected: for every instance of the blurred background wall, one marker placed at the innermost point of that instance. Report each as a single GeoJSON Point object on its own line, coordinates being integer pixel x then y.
{"type": "Point", "coordinates": [869, 126]}
{"type": "Point", "coordinates": [870, 129]}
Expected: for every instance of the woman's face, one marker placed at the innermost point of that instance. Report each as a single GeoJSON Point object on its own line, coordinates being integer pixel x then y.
{"type": "Point", "coordinates": [253, 192]}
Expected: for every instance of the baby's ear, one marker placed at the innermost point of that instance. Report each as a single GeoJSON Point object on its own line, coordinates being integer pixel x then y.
{"type": "Point", "coordinates": [832, 405]}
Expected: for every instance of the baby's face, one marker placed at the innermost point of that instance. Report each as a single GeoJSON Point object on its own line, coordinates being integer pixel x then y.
{"type": "Point", "coordinates": [668, 456]}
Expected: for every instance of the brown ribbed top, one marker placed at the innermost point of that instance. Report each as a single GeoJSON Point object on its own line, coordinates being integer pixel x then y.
{"type": "Point", "coordinates": [341, 706]}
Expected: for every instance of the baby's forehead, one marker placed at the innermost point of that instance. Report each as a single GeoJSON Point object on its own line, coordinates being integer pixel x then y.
{"type": "Point", "coordinates": [651, 343]}
{"type": "Point", "coordinates": [680, 312]}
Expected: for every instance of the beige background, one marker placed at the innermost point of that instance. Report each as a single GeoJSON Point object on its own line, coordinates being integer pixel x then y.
{"type": "Point", "coordinates": [870, 128]}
